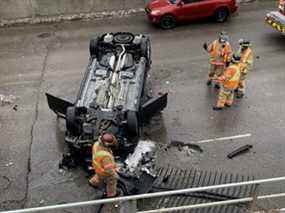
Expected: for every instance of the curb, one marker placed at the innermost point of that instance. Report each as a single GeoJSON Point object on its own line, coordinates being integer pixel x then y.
{"type": "Point", "coordinates": [80, 16]}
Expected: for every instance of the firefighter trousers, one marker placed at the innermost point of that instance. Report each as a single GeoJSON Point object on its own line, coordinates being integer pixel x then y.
{"type": "Point", "coordinates": [225, 97]}
{"type": "Point", "coordinates": [109, 181]}
{"type": "Point", "coordinates": [242, 84]}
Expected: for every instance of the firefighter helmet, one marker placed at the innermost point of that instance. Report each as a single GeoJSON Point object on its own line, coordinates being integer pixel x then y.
{"type": "Point", "coordinates": [108, 139]}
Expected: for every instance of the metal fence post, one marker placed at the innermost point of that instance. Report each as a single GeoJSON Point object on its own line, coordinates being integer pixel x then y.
{"type": "Point", "coordinates": [253, 205]}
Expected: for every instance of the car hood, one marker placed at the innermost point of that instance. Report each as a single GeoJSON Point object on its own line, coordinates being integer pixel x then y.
{"type": "Point", "coordinates": [158, 4]}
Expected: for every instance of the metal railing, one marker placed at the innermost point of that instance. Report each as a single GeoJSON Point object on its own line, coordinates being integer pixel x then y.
{"type": "Point", "coordinates": [134, 198]}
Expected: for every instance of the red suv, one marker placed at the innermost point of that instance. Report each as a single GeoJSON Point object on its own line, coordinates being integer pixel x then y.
{"type": "Point", "coordinates": [167, 13]}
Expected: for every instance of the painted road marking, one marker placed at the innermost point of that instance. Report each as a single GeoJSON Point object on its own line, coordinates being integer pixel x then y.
{"type": "Point", "coordinates": [224, 138]}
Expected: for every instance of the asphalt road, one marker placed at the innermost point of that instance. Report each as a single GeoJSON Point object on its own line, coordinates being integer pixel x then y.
{"type": "Point", "coordinates": [52, 58]}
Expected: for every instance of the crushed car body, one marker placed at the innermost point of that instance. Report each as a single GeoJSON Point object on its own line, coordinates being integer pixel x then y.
{"type": "Point", "coordinates": [113, 97]}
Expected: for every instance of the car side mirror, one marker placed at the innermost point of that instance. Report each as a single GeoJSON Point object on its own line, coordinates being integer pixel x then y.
{"type": "Point", "coordinates": [180, 3]}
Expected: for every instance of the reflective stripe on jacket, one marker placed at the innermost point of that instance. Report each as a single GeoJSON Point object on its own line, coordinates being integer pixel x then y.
{"type": "Point", "coordinates": [218, 54]}
{"type": "Point", "coordinates": [230, 78]}
{"type": "Point", "coordinates": [103, 160]}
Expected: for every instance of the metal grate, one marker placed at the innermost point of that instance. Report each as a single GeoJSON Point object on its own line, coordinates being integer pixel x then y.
{"type": "Point", "coordinates": [172, 178]}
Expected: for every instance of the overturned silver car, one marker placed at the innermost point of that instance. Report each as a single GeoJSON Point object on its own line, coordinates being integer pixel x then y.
{"type": "Point", "coordinates": [112, 97]}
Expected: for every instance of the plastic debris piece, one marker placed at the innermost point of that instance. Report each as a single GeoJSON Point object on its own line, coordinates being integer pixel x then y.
{"type": "Point", "coordinates": [240, 150]}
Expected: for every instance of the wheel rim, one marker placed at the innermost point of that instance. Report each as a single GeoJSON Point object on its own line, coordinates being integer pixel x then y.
{"type": "Point", "coordinates": [221, 16]}
{"type": "Point", "coordinates": [123, 38]}
{"type": "Point", "coordinates": [167, 22]}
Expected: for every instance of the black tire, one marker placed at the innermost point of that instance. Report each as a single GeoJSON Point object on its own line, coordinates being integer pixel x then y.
{"type": "Point", "coordinates": [221, 15]}
{"type": "Point", "coordinates": [72, 124]}
{"type": "Point", "coordinates": [123, 38]}
{"type": "Point", "coordinates": [167, 22]}
{"type": "Point", "coordinates": [146, 50]}
{"type": "Point", "coordinates": [133, 123]}
{"type": "Point", "coordinates": [93, 47]}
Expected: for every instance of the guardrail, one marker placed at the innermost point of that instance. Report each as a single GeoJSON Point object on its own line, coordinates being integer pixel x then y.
{"type": "Point", "coordinates": [134, 198]}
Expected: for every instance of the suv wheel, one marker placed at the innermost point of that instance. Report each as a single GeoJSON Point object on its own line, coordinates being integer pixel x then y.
{"type": "Point", "coordinates": [221, 15]}
{"type": "Point", "coordinates": [167, 22]}
{"type": "Point", "coordinates": [72, 124]}
{"type": "Point", "coordinates": [93, 47]}
{"type": "Point", "coordinates": [146, 50]}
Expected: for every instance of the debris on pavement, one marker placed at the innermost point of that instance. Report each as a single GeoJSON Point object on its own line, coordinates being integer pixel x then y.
{"type": "Point", "coordinates": [9, 164]}
{"type": "Point", "coordinates": [180, 144]}
{"type": "Point", "coordinates": [239, 151]}
{"type": "Point", "coordinates": [15, 107]}
{"type": "Point", "coordinates": [7, 100]}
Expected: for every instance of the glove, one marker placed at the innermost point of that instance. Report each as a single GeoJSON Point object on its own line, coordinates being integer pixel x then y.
{"type": "Point", "coordinates": [205, 46]}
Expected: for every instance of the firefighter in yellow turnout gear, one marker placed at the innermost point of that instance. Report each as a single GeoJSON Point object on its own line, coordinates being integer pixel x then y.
{"type": "Point", "coordinates": [104, 164]}
{"type": "Point", "coordinates": [229, 82]}
{"type": "Point", "coordinates": [246, 62]}
{"type": "Point", "coordinates": [220, 54]}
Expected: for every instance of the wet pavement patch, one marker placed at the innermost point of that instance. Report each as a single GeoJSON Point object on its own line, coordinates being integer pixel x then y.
{"type": "Point", "coordinates": [4, 183]}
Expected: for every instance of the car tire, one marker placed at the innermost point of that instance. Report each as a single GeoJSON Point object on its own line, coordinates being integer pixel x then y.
{"type": "Point", "coordinates": [221, 15]}
{"type": "Point", "coordinates": [133, 123]}
{"type": "Point", "coordinates": [167, 22]}
{"type": "Point", "coordinates": [146, 50]}
{"type": "Point", "coordinates": [93, 47]}
{"type": "Point", "coordinates": [72, 124]}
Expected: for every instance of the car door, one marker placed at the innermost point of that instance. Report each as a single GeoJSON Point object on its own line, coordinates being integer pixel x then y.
{"type": "Point", "coordinates": [193, 9]}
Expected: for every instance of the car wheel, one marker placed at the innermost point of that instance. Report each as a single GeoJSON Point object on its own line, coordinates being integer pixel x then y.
{"type": "Point", "coordinates": [133, 123]}
{"type": "Point", "coordinates": [221, 15]}
{"type": "Point", "coordinates": [146, 50]}
{"type": "Point", "coordinates": [93, 47]}
{"type": "Point", "coordinates": [167, 22]}
{"type": "Point", "coordinates": [72, 124]}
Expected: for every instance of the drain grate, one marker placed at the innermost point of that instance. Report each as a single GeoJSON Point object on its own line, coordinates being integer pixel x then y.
{"type": "Point", "coordinates": [172, 178]}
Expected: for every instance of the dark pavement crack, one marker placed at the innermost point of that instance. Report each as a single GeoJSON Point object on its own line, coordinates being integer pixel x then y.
{"type": "Point", "coordinates": [43, 70]}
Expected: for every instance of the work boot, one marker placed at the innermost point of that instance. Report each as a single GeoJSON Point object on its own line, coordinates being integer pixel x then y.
{"type": "Point", "coordinates": [217, 86]}
{"type": "Point", "coordinates": [209, 83]}
{"type": "Point", "coordinates": [217, 108]}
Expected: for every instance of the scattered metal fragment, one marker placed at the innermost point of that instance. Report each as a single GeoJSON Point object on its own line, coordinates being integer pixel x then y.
{"type": "Point", "coordinates": [180, 144]}
{"type": "Point", "coordinates": [239, 151]}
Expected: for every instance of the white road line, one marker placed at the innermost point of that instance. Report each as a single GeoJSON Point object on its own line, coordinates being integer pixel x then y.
{"type": "Point", "coordinates": [224, 138]}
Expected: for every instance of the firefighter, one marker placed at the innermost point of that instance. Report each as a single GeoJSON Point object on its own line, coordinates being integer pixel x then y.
{"type": "Point", "coordinates": [229, 82]}
{"type": "Point", "coordinates": [104, 164]}
{"type": "Point", "coordinates": [220, 55]}
{"type": "Point", "coordinates": [246, 62]}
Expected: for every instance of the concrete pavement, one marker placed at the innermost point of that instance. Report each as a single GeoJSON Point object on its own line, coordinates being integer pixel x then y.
{"type": "Point", "coordinates": [52, 58]}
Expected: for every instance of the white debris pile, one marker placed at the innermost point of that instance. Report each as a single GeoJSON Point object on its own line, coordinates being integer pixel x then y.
{"type": "Point", "coordinates": [145, 148]}
{"type": "Point", "coordinates": [6, 100]}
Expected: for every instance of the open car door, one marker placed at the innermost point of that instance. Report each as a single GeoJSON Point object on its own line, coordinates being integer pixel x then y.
{"type": "Point", "coordinates": [58, 105]}
{"type": "Point", "coordinates": [153, 106]}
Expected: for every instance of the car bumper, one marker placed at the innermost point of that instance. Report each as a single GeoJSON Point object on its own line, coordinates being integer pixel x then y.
{"type": "Point", "coordinates": [152, 18]}
{"type": "Point", "coordinates": [276, 20]}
